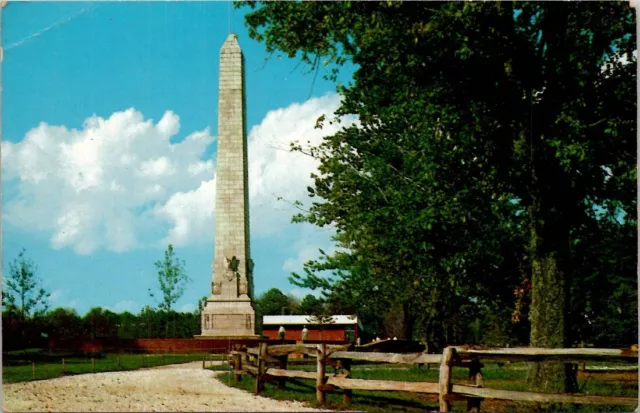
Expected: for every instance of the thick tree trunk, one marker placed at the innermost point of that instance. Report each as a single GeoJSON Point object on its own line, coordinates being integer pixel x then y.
{"type": "Point", "coordinates": [547, 323]}
{"type": "Point", "coordinates": [409, 321]}
{"type": "Point", "coordinates": [436, 335]}
{"type": "Point", "coordinates": [549, 303]}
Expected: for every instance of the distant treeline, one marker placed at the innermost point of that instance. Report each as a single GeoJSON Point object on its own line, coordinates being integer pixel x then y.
{"type": "Point", "coordinates": [64, 325]}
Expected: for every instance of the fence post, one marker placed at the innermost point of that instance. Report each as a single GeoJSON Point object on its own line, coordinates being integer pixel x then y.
{"type": "Point", "coordinates": [475, 378]}
{"type": "Point", "coordinates": [63, 366]}
{"type": "Point", "coordinates": [282, 363]}
{"type": "Point", "coordinates": [118, 361]}
{"type": "Point", "coordinates": [445, 378]}
{"type": "Point", "coordinates": [93, 365]}
{"type": "Point", "coordinates": [347, 394]}
{"type": "Point", "coordinates": [320, 394]}
{"type": "Point", "coordinates": [237, 364]}
{"type": "Point", "coordinates": [262, 354]}
{"type": "Point", "coordinates": [33, 369]}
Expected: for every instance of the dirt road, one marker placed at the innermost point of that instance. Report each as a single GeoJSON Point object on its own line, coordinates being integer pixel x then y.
{"type": "Point", "coordinates": [183, 387]}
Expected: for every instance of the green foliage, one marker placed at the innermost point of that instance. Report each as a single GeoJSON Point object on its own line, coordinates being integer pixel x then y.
{"type": "Point", "coordinates": [65, 324]}
{"type": "Point", "coordinates": [172, 279]}
{"type": "Point", "coordinates": [293, 306]}
{"type": "Point", "coordinates": [494, 376]}
{"type": "Point", "coordinates": [604, 301]}
{"type": "Point", "coordinates": [495, 145]}
{"type": "Point", "coordinates": [273, 302]}
{"type": "Point", "coordinates": [127, 327]}
{"type": "Point", "coordinates": [100, 322]}
{"type": "Point", "coordinates": [22, 293]}
{"type": "Point", "coordinates": [67, 330]}
{"type": "Point", "coordinates": [311, 305]}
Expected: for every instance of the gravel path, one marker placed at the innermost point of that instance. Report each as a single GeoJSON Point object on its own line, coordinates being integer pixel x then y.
{"type": "Point", "coordinates": [182, 387]}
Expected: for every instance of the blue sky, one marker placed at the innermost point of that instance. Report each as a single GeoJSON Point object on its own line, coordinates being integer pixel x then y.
{"type": "Point", "coordinates": [108, 154]}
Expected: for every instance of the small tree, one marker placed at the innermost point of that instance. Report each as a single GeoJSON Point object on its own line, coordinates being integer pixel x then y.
{"type": "Point", "coordinates": [172, 279]}
{"type": "Point", "coordinates": [22, 293]}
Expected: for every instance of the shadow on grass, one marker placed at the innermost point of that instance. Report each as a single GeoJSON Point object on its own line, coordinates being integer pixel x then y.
{"type": "Point", "coordinates": [612, 384]}
{"type": "Point", "coordinates": [305, 391]}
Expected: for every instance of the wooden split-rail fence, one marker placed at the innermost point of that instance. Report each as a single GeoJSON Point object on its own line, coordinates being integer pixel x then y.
{"type": "Point", "coordinates": [269, 363]}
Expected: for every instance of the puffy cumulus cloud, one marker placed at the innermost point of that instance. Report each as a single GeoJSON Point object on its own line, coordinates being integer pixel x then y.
{"type": "Point", "coordinates": [191, 214]}
{"type": "Point", "coordinates": [92, 188]}
{"type": "Point", "coordinates": [305, 253]}
{"type": "Point", "coordinates": [274, 172]}
{"type": "Point", "coordinates": [307, 247]}
{"type": "Point", "coordinates": [119, 183]}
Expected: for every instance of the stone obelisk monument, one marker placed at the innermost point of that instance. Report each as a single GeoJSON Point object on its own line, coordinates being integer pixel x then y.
{"type": "Point", "coordinates": [228, 312]}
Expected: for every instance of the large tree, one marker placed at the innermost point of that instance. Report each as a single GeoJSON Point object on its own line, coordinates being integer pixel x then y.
{"type": "Point", "coordinates": [406, 239]}
{"type": "Point", "coordinates": [491, 137]}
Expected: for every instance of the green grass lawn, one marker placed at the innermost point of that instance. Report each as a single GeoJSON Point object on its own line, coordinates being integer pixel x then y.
{"type": "Point", "coordinates": [21, 370]}
{"type": "Point", "coordinates": [511, 377]}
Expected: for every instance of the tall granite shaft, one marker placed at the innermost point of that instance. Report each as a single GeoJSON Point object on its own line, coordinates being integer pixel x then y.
{"type": "Point", "coordinates": [229, 311]}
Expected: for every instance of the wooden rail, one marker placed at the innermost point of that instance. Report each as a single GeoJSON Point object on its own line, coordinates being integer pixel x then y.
{"type": "Point", "coordinates": [412, 358]}
{"type": "Point", "coordinates": [470, 391]}
{"type": "Point", "coordinates": [549, 354]}
{"type": "Point", "coordinates": [269, 363]}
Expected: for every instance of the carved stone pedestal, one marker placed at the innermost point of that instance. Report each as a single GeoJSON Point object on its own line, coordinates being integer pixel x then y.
{"type": "Point", "coordinates": [228, 319]}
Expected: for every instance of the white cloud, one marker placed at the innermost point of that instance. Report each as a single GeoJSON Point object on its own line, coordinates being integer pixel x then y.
{"type": "Point", "coordinates": [191, 214]}
{"type": "Point", "coordinates": [90, 188]}
{"type": "Point", "coordinates": [59, 298]}
{"type": "Point", "coordinates": [187, 308]}
{"type": "Point", "coordinates": [310, 240]}
{"type": "Point", "coordinates": [55, 295]}
{"type": "Point", "coordinates": [300, 293]}
{"type": "Point", "coordinates": [73, 303]}
{"type": "Point", "coordinates": [273, 172]}
{"type": "Point", "coordinates": [126, 305]}
{"type": "Point", "coordinates": [306, 252]}
{"type": "Point", "coordinates": [119, 183]}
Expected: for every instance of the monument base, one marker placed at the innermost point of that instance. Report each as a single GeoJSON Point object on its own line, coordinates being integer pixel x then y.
{"type": "Point", "coordinates": [224, 319]}
{"type": "Point", "coordinates": [253, 337]}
